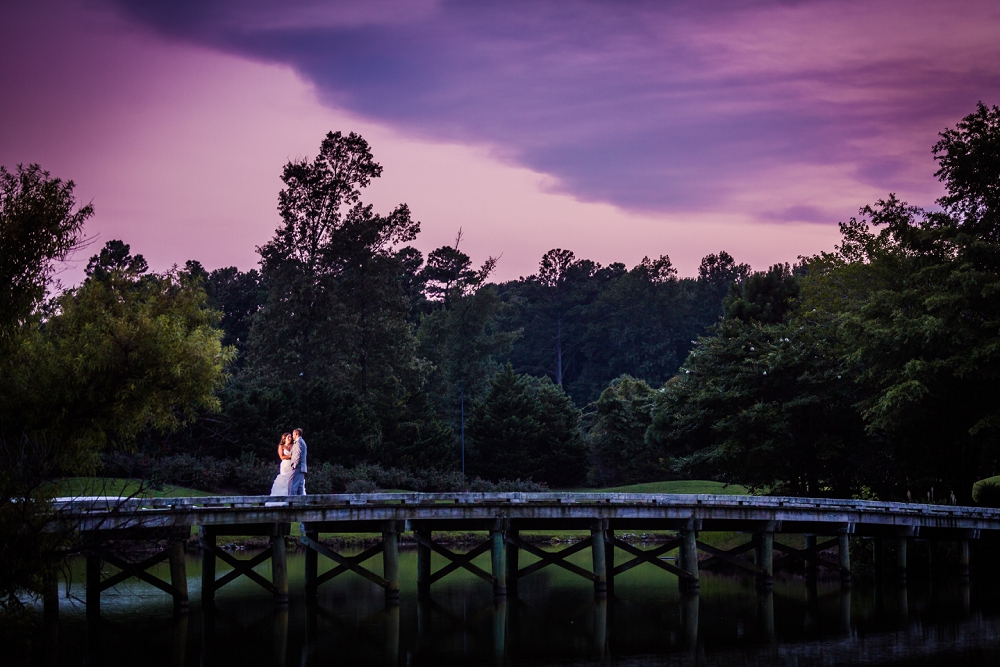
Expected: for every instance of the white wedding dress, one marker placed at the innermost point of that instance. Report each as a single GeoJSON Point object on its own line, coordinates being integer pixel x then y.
{"type": "Point", "coordinates": [284, 478]}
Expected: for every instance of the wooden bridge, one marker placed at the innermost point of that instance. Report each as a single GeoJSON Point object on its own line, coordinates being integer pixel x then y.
{"type": "Point", "coordinates": [501, 517]}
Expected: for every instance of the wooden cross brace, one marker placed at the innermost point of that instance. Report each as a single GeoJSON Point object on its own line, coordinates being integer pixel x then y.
{"type": "Point", "coordinates": [345, 563]}
{"type": "Point", "coordinates": [458, 560]}
{"type": "Point", "coordinates": [137, 570]}
{"type": "Point", "coordinates": [651, 557]}
{"type": "Point", "coordinates": [240, 567]}
{"type": "Point", "coordinates": [549, 558]}
{"type": "Point", "coordinates": [812, 554]}
{"type": "Point", "coordinates": [731, 556]}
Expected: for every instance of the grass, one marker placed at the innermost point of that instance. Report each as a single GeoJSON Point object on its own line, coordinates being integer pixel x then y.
{"type": "Point", "coordinates": [680, 486]}
{"type": "Point", "coordinates": [116, 487]}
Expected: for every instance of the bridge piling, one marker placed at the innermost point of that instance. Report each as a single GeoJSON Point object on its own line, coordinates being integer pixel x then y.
{"type": "Point", "coordinates": [279, 564]}
{"type": "Point", "coordinates": [609, 556]}
{"type": "Point", "coordinates": [901, 544]}
{"type": "Point", "coordinates": [844, 553]}
{"type": "Point", "coordinates": [689, 551]}
{"type": "Point", "coordinates": [764, 558]}
{"type": "Point", "coordinates": [599, 558]}
{"type": "Point", "coordinates": [178, 572]}
{"type": "Point", "coordinates": [963, 559]}
{"type": "Point", "coordinates": [423, 563]}
{"type": "Point", "coordinates": [312, 567]}
{"type": "Point", "coordinates": [512, 560]}
{"type": "Point", "coordinates": [810, 561]}
{"type": "Point", "coordinates": [498, 561]}
{"type": "Point", "coordinates": [207, 539]}
{"type": "Point", "coordinates": [390, 562]}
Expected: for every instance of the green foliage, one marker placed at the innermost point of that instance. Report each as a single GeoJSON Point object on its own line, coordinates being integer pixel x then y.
{"type": "Point", "coordinates": [584, 325]}
{"type": "Point", "coordinates": [767, 406]}
{"type": "Point", "coordinates": [37, 227]}
{"type": "Point", "coordinates": [764, 296]}
{"type": "Point", "coordinates": [525, 428]}
{"type": "Point", "coordinates": [986, 492]}
{"type": "Point", "coordinates": [621, 453]}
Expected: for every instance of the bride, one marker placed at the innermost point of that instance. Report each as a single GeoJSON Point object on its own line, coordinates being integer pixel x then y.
{"type": "Point", "coordinates": [281, 482]}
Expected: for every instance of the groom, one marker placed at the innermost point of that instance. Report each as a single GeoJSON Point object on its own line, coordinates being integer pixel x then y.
{"type": "Point", "coordinates": [297, 487]}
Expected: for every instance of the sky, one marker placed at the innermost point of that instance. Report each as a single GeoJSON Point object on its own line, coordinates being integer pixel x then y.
{"type": "Point", "coordinates": [614, 129]}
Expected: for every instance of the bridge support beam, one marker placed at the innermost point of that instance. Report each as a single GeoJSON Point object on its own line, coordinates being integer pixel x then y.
{"type": "Point", "coordinates": [512, 560]}
{"type": "Point", "coordinates": [178, 573]}
{"type": "Point", "coordinates": [599, 558]}
{"type": "Point", "coordinates": [844, 552]}
{"type": "Point", "coordinates": [901, 544]}
{"type": "Point", "coordinates": [312, 568]}
{"type": "Point", "coordinates": [423, 563]}
{"type": "Point", "coordinates": [390, 562]}
{"type": "Point", "coordinates": [689, 559]}
{"type": "Point", "coordinates": [207, 538]}
{"type": "Point", "coordinates": [764, 558]}
{"type": "Point", "coordinates": [609, 555]}
{"type": "Point", "coordinates": [279, 565]}
{"type": "Point", "coordinates": [498, 559]}
{"type": "Point", "coordinates": [810, 561]}
{"type": "Point", "coordinates": [963, 559]}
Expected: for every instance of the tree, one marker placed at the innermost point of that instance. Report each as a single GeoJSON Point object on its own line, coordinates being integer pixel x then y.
{"type": "Point", "coordinates": [38, 226]}
{"type": "Point", "coordinates": [769, 406]}
{"type": "Point", "coordinates": [764, 296]}
{"type": "Point", "coordinates": [101, 363]}
{"type": "Point", "coordinates": [526, 428]}
{"type": "Point", "coordinates": [335, 307]}
{"type": "Point", "coordinates": [621, 453]}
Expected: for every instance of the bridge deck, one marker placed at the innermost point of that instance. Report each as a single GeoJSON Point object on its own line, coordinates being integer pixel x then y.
{"type": "Point", "coordinates": [526, 511]}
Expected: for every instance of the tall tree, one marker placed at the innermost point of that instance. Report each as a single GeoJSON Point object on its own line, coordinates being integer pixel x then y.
{"type": "Point", "coordinates": [335, 308]}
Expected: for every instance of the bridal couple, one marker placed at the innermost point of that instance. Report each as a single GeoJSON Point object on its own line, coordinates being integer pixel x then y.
{"type": "Point", "coordinates": [291, 479]}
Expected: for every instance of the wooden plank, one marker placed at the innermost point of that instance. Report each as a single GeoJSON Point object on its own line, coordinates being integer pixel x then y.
{"type": "Point", "coordinates": [735, 551]}
{"type": "Point", "coordinates": [557, 558]}
{"type": "Point", "coordinates": [346, 561]}
{"type": "Point", "coordinates": [645, 556]}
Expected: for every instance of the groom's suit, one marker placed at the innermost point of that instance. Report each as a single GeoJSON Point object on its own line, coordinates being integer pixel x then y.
{"type": "Point", "coordinates": [297, 487]}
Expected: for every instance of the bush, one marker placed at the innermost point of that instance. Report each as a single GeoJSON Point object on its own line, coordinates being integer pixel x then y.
{"type": "Point", "coordinates": [986, 492]}
{"type": "Point", "coordinates": [251, 476]}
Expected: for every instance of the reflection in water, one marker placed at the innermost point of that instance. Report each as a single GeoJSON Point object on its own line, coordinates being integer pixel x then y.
{"type": "Point", "coordinates": [554, 619]}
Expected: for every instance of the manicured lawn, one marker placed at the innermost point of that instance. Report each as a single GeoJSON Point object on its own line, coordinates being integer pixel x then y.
{"type": "Point", "coordinates": [116, 487]}
{"type": "Point", "coordinates": [681, 486]}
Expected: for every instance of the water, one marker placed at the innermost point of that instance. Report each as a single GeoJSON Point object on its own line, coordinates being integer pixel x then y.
{"type": "Point", "coordinates": [555, 620]}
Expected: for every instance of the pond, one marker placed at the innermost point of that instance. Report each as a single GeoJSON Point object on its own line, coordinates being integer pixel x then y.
{"type": "Point", "coordinates": [554, 620]}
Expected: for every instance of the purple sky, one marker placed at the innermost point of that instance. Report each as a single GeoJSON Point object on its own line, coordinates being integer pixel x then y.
{"type": "Point", "coordinates": [615, 129]}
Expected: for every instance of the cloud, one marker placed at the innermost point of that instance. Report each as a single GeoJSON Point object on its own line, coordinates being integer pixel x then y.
{"type": "Point", "coordinates": [648, 106]}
